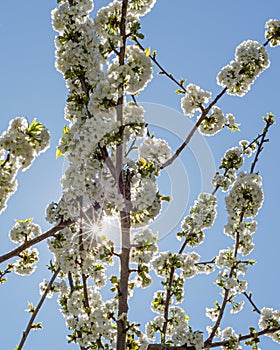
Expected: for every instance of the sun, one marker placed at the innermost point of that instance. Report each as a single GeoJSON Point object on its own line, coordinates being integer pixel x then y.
{"type": "Point", "coordinates": [97, 227]}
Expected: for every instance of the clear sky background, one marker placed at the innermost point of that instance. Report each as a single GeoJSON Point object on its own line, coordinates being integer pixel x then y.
{"type": "Point", "coordinates": [194, 39]}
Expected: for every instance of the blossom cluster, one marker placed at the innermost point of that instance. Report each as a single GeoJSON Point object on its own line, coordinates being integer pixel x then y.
{"type": "Point", "coordinates": [24, 230]}
{"type": "Point", "coordinates": [251, 59]}
{"type": "Point", "coordinates": [26, 264]}
{"type": "Point", "coordinates": [270, 318]}
{"type": "Point", "coordinates": [19, 146]}
{"type": "Point", "coordinates": [194, 100]}
{"type": "Point", "coordinates": [21, 232]}
{"type": "Point", "coordinates": [155, 150]}
{"type": "Point", "coordinates": [94, 84]}
{"type": "Point", "coordinates": [228, 334]}
{"type": "Point", "coordinates": [232, 161]}
{"type": "Point", "coordinates": [143, 247]}
{"type": "Point", "coordinates": [178, 329]}
{"type": "Point", "coordinates": [212, 123]}
{"type": "Point", "coordinates": [273, 32]}
{"type": "Point", "coordinates": [77, 257]}
{"type": "Point", "coordinates": [172, 322]}
{"type": "Point", "coordinates": [165, 261]}
{"type": "Point", "coordinates": [134, 75]}
{"type": "Point", "coordinates": [202, 216]}
{"type": "Point", "coordinates": [80, 318]}
{"type": "Point", "coordinates": [245, 197]}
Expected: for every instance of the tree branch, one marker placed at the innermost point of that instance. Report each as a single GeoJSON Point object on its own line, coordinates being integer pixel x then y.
{"type": "Point", "coordinates": [194, 129]}
{"type": "Point", "coordinates": [166, 347]}
{"type": "Point", "coordinates": [253, 336]}
{"type": "Point", "coordinates": [42, 237]}
{"type": "Point", "coordinates": [37, 309]}
{"type": "Point", "coordinates": [167, 304]}
{"type": "Point", "coordinates": [226, 295]}
{"type": "Point", "coordinates": [124, 189]}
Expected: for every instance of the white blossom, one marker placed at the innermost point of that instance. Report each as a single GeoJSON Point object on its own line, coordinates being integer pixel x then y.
{"type": "Point", "coordinates": [251, 59]}
{"type": "Point", "coordinates": [273, 32]}
{"type": "Point", "coordinates": [246, 196]}
{"type": "Point", "coordinates": [212, 123]}
{"type": "Point", "coordinates": [195, 99]}
{"type": "Point", "coordinates": [155, 150]}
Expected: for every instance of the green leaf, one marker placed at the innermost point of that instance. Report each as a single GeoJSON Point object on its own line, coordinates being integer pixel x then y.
{"type": "Point", "coordinates": [37, 326]}
{"type": "Point", "coordinates": [34, 127]}
{"type": "Point", "coordinates": [65, 130]}
{"type": "Point", "coordinates": [140, 36]}
{"type": "Point", "coordinates": [26, 220]}
{"type": "Point", "coordinates": [114, 279]}
{"type": "Point", "coordinates": [58, 153]}
{"type": "Point", "coordinates": [143, 162]}
{"type": "Point", "coordinates": [178, 91]}
{"type": "Point", "coordinates": [148, 51]}
{"type": "Point", "coordinates": [182, 81]}
{"type": "Point", "coordinates": [234, 127]}
{"type": "Point", "coordinates": [51, 266]}
{"type": "Point", "coordinates": [165, 198]}
{"type": "Point", "coordinates": [31, 308]}
{"type": "Point", "coordinates": [98, 267]}
{"type": "Point", "coordinates": [252, 330]}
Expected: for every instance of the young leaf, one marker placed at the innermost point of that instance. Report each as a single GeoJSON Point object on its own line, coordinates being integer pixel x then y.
{"type": "Point", "coordinates": [58, 153]}
{"type": "Point", "coordinates": [148, 51]}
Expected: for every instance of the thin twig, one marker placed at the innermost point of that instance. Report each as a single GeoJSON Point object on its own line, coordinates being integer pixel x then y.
{"type": "Point", "coordinates": [9, 269]}
{"type": "Point", "coordinates": [277, 33]}
{"type": "Point", "coordinates": [249, 298]}
{"type": "Point", "coordinates": [260, 145]}
{"type": "Point", "coordinates": [130, 147]}
{"type": "Point", "coordinates": [37, 309]}
{"type": "Point", "coordinates": [186, 241]}
{"type": "Point", "coordinates": [194, 129]}
{"type": "Point", "coordinates": [205, 262]}
{"type": "Point", "coordinates": [108, 161]}
{"type": "Point", "coordinates": [134, 99]}
{"type": "Point", "coordinates": [71, 283]}
{"type": "Point", "coordinates": [162, 70]}
{"type": "Point", "coordinates": [2, 165]}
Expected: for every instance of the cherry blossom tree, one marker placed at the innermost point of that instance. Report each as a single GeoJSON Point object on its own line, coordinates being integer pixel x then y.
{"type": "Point", "coordinates": [114, 163]}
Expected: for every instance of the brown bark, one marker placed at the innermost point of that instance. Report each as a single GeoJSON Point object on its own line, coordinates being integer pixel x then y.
{"type": "Point", "coordinates": [165, 347]}
{"type": "Point", "coordinates": [124, 278]}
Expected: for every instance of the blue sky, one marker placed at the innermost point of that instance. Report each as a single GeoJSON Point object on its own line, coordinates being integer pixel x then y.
{"type": "Point", "coordinates": [193, 39]}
